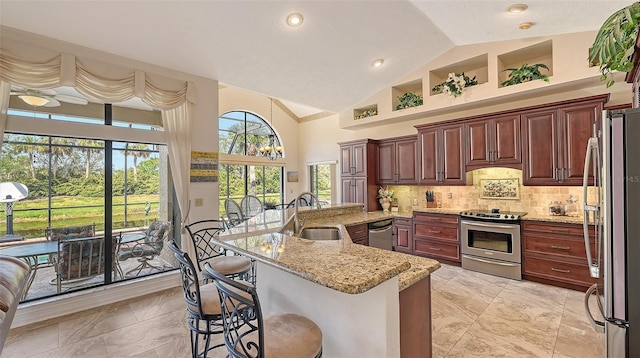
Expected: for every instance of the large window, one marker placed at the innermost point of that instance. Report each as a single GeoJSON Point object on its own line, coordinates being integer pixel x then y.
{"type": "Point", "coordinates": [320, 177]}
{"type": "Point", "coordinates": [244, 134]}
{"type": "Point", "coordinates": [99, 193]}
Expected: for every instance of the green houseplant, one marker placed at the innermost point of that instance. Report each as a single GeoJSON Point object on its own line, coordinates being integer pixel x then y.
{"type": "Point", "coordinates": [613, 46]}
{"type": "Point", "coordinates": [525, 73]}
{"type": "Point", "coordinates": [409, 99]}
{"type": "Point", "coordinates": [367, 113]}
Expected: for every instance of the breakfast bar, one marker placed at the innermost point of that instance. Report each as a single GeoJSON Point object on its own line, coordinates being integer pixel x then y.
{"type": "Point", "coordinates": [356, 294]}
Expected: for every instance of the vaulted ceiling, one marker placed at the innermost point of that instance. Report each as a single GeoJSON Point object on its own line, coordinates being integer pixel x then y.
{"type": "Point", "coordinates": [322, 65]}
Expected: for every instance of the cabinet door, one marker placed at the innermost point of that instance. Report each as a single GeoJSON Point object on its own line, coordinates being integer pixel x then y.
{"type": "Point", "coordinates": [478, 143]}
{"type": "Point", "coordinates": [451, 157]}
{"type": "Point", "coordinates": [577, 127]}
{"type": "Point", "coordinates": [359, 159]}
{"type": "Point", "coordinates": [506, 148]}
{"type": "Point", "coordinates": [403, 240]}
{"type": "Point", "coordinates": [406, 161]}
{"type": "Point", "coordinates": [348, 189]}
{"type": "Point", "coordinates": [386, 163]}
{"type": "Point", "coordinates": [540, 136]}
{"type": "Point", "coordinates": [429, 173]}
{"type": "Point", "coordinates": [346, 167]}
{"type": "Point", "coordinates": [359, 191]}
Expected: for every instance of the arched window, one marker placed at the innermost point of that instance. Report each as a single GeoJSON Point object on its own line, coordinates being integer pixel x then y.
{"type": "Point", "coordinates": [244, 133]}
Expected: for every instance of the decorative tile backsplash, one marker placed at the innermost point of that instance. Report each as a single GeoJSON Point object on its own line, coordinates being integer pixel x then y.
{"type": "Point", "coordinates": [531, 199]}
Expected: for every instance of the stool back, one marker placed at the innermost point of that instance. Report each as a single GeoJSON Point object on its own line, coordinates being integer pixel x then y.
{"type": "Point", "coordinates": [202, 232]}
{"type": "Point", "coordinates": [241, 316]}
{"type": "Point", "coordinates": [190, 284]}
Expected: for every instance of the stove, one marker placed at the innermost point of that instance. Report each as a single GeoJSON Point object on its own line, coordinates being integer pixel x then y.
{"type": "Point", "coordinates": [490, 242]}
{"type": "Point", "coordinates": [493, 215]}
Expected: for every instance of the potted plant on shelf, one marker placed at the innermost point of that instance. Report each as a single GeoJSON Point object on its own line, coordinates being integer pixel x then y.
{"type": "Point", "coordinates": [385, 195]}
{"type": "Point", "coordinates": [408, 100]}
{"type": "Point", "coordinates": [613, 46]}
{"type": "Point", "coordinates": [454, 84]}
{"type": "Point", "coordinates": [525, 73]}
{"type": "Point", "coordinates": [367, 113]}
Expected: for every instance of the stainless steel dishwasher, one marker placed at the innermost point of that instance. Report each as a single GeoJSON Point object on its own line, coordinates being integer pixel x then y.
{"type": "Point", "coordinates": [381, 234]}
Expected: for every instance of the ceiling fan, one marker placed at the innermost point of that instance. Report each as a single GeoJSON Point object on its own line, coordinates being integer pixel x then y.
{"type": "Point", "coordinates": [45, 97]}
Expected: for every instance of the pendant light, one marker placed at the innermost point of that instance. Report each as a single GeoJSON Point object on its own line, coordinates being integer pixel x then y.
{"type": "Point", "coordinates": [271, 151]}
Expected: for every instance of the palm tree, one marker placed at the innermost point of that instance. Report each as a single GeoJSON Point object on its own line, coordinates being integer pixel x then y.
{"type": "Point", "coordinates": [61, 148]}
{"type": "Point", "coordinates": [89, 147]}
{"type": "Point", "coordinates": [136, 151]}
{"type": "Point", "coordinates": [29, 145]}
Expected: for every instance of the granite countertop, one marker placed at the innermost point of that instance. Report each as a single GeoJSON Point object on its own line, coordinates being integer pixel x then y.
{"type": "Point", "coordinates": [554, 218]}
{"type": "Point", "coordinates": [337, 264]}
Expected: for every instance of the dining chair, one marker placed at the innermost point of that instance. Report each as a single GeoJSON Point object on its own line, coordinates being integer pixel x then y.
{"type": "Point", "coordinates": [248, 335]}
{"type": "Point", "coordinates": [203, 234]}
{"type": "Point", "coordinates": [233, 212]}
{"type": "Point", "coordinates": [204, 317]}
{"type": "Point", "coordinates": [250, 206]}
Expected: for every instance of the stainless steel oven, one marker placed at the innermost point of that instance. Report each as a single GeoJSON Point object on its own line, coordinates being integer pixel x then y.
{"type": "Point", "coordinates": [491, 243]}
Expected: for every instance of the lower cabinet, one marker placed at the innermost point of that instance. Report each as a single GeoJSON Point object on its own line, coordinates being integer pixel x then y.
{"type": "Point", "coordinates": [437, 236]}
{"type": "Point", "coordinates": [403, 235]}
{"type": "Point", "coordinates": [554, 253]}
{"type": "Point", "coordinates": [359, 234]}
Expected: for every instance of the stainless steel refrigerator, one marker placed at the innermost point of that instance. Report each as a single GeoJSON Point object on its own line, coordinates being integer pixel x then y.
{"type": "Point", "coordinates": [613, 158]}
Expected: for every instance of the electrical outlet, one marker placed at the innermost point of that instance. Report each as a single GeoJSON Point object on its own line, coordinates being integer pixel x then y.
{"type": "Point", "coordinates": [199, 202]}
{"type": "Point", "coordinates": [449, 195]}
{"type": "Point", "coordinates": [415, 201]}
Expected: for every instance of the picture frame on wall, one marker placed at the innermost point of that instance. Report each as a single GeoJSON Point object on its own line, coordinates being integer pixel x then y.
{"type": "Point", "coordinates": [292, 177]}
{"type": "Point", "coordinates": [500, 189]}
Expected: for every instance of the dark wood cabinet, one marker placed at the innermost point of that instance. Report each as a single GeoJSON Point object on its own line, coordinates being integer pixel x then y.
{"type": "Point", "coordinates": [359, 234]}
{"type": "Point", "coordinates": [555, 141]}
{"type": "Point", "coordinates": [403, 235]}
{"type": "Point", "coordinates": [358, 173]}
{"type": "Point", "coordinates": [554, 253]}
{"type": "Point", "coordinates": [397, 160]}
{"type": "Point", "coordinates": [437, 236]}
{"type": "Point", "coordinates": [494, 141]}
{"type": "Point", "coordinates": [442, 154]}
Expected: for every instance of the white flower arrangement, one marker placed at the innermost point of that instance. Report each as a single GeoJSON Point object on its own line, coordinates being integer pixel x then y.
{"type": "Point", "coordinates": [454, 84]}
{"type": "Point", "coordinates": [385, 193]}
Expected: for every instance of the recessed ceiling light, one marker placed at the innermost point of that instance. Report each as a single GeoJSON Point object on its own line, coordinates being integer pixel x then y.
{"type": "Point", "coordinates": [294, 19]}
{"type": "Point", "coordinates": [514, 9]}
{"type": "Point", "coordinates": [525, 25]}
{"type": "Point", "coordinates": [377, 63]}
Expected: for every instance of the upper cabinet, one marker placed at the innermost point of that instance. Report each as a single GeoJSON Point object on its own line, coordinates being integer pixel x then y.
{"type": "Point", "coordinates": [353, 158]}
{"type": "Point", "coordinates": [358, 173]}
{"type": "Point", "coordinates": [442, 154]}
{"type": "Point", "coordinates": [398, 160]}
{"type": "Point", "coordinates": [555, 141]}
{"type": "Point", "coordinates": [493, 142]}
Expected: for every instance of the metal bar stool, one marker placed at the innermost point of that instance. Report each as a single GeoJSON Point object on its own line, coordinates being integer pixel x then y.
{"type": "Point", "coordinates": [248, 335]}
{"type": "Point", "coordinates": [203, 234]}
{"type": "Point", "coordinates": [203, 305]}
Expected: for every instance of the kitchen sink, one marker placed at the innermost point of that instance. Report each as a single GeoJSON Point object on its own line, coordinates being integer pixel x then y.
{"type": "Point", "coordinates": [320, 233]}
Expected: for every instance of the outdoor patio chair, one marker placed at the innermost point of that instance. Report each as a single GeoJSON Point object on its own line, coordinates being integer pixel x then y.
{"type": "Point", "coordinates": [68, 232]}
{"type": "Point", "coordinates": [250, 206]}
{"type": "Point", "coordinates": [80, 259]}
{"type": "Point", "coordinates": [146, 249]}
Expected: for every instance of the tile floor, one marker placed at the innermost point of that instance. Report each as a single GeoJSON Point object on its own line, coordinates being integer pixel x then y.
{"type": "Point", "coordinates": [474, 315]}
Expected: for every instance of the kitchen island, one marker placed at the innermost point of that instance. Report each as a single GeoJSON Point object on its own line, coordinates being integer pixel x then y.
{"type": "Point", "coordinates": [368, 302]}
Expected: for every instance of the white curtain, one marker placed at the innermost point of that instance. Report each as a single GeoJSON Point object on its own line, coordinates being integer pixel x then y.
{"type": "Point", "coordinates": [108, 83]}
{"type": "Point", "coordinates": [177, 125]}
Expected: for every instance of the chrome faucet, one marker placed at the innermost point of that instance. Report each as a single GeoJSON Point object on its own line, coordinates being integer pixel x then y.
{"type": "Point", "coordinates": [297, 224]}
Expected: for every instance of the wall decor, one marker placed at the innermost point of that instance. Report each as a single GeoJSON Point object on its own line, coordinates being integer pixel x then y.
{"type": "Point", "coordinates": [499, 189]}
{"type": "Point", "coordinates": [204, 167]}
{"type": "Point", "coordinates": [292, 177]}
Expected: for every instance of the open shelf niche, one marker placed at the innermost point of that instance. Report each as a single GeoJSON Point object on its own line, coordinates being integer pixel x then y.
{"type": "Point", "coordinates": [476, 66]}
{"type": "Point", "coordinates": [539, 53]}
{"type": "Point", "coordinates": [408, 87]}
{"type": "Point", "coordinates": [365, 112]}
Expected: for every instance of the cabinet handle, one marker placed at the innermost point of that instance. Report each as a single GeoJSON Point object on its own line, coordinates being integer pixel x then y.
{"type": "Point", "coordinates": [556, 174]}
{"type": "Point", "coordinates": [352, 170]}
{"type": "Point", "coordinates": [434, 248]}
{"type": "Point", "coordinates": [432, 219]}
{"type": "Point", "coordinates": [434, 231]}
{"type": "Point", "coordinates": [560, 247]}
{"type": "Point", "coordinates": [559, 230]}
{"type": "Point", "coordinates": [353, 182]}
{"type": "Point", "coordinates": [564, 173]}
{"type": "Point", "coordinates": [560, 270]}
{"type": "Point", "coordinates": [491, 156]}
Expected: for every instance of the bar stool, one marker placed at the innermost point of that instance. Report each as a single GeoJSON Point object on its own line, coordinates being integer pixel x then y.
{"type": "Point", "coordinates": [203, 305]}
{"type": "Point", "coordinates": [248, 335]}
{"type": "Point", "coordinates": [203, 234]}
